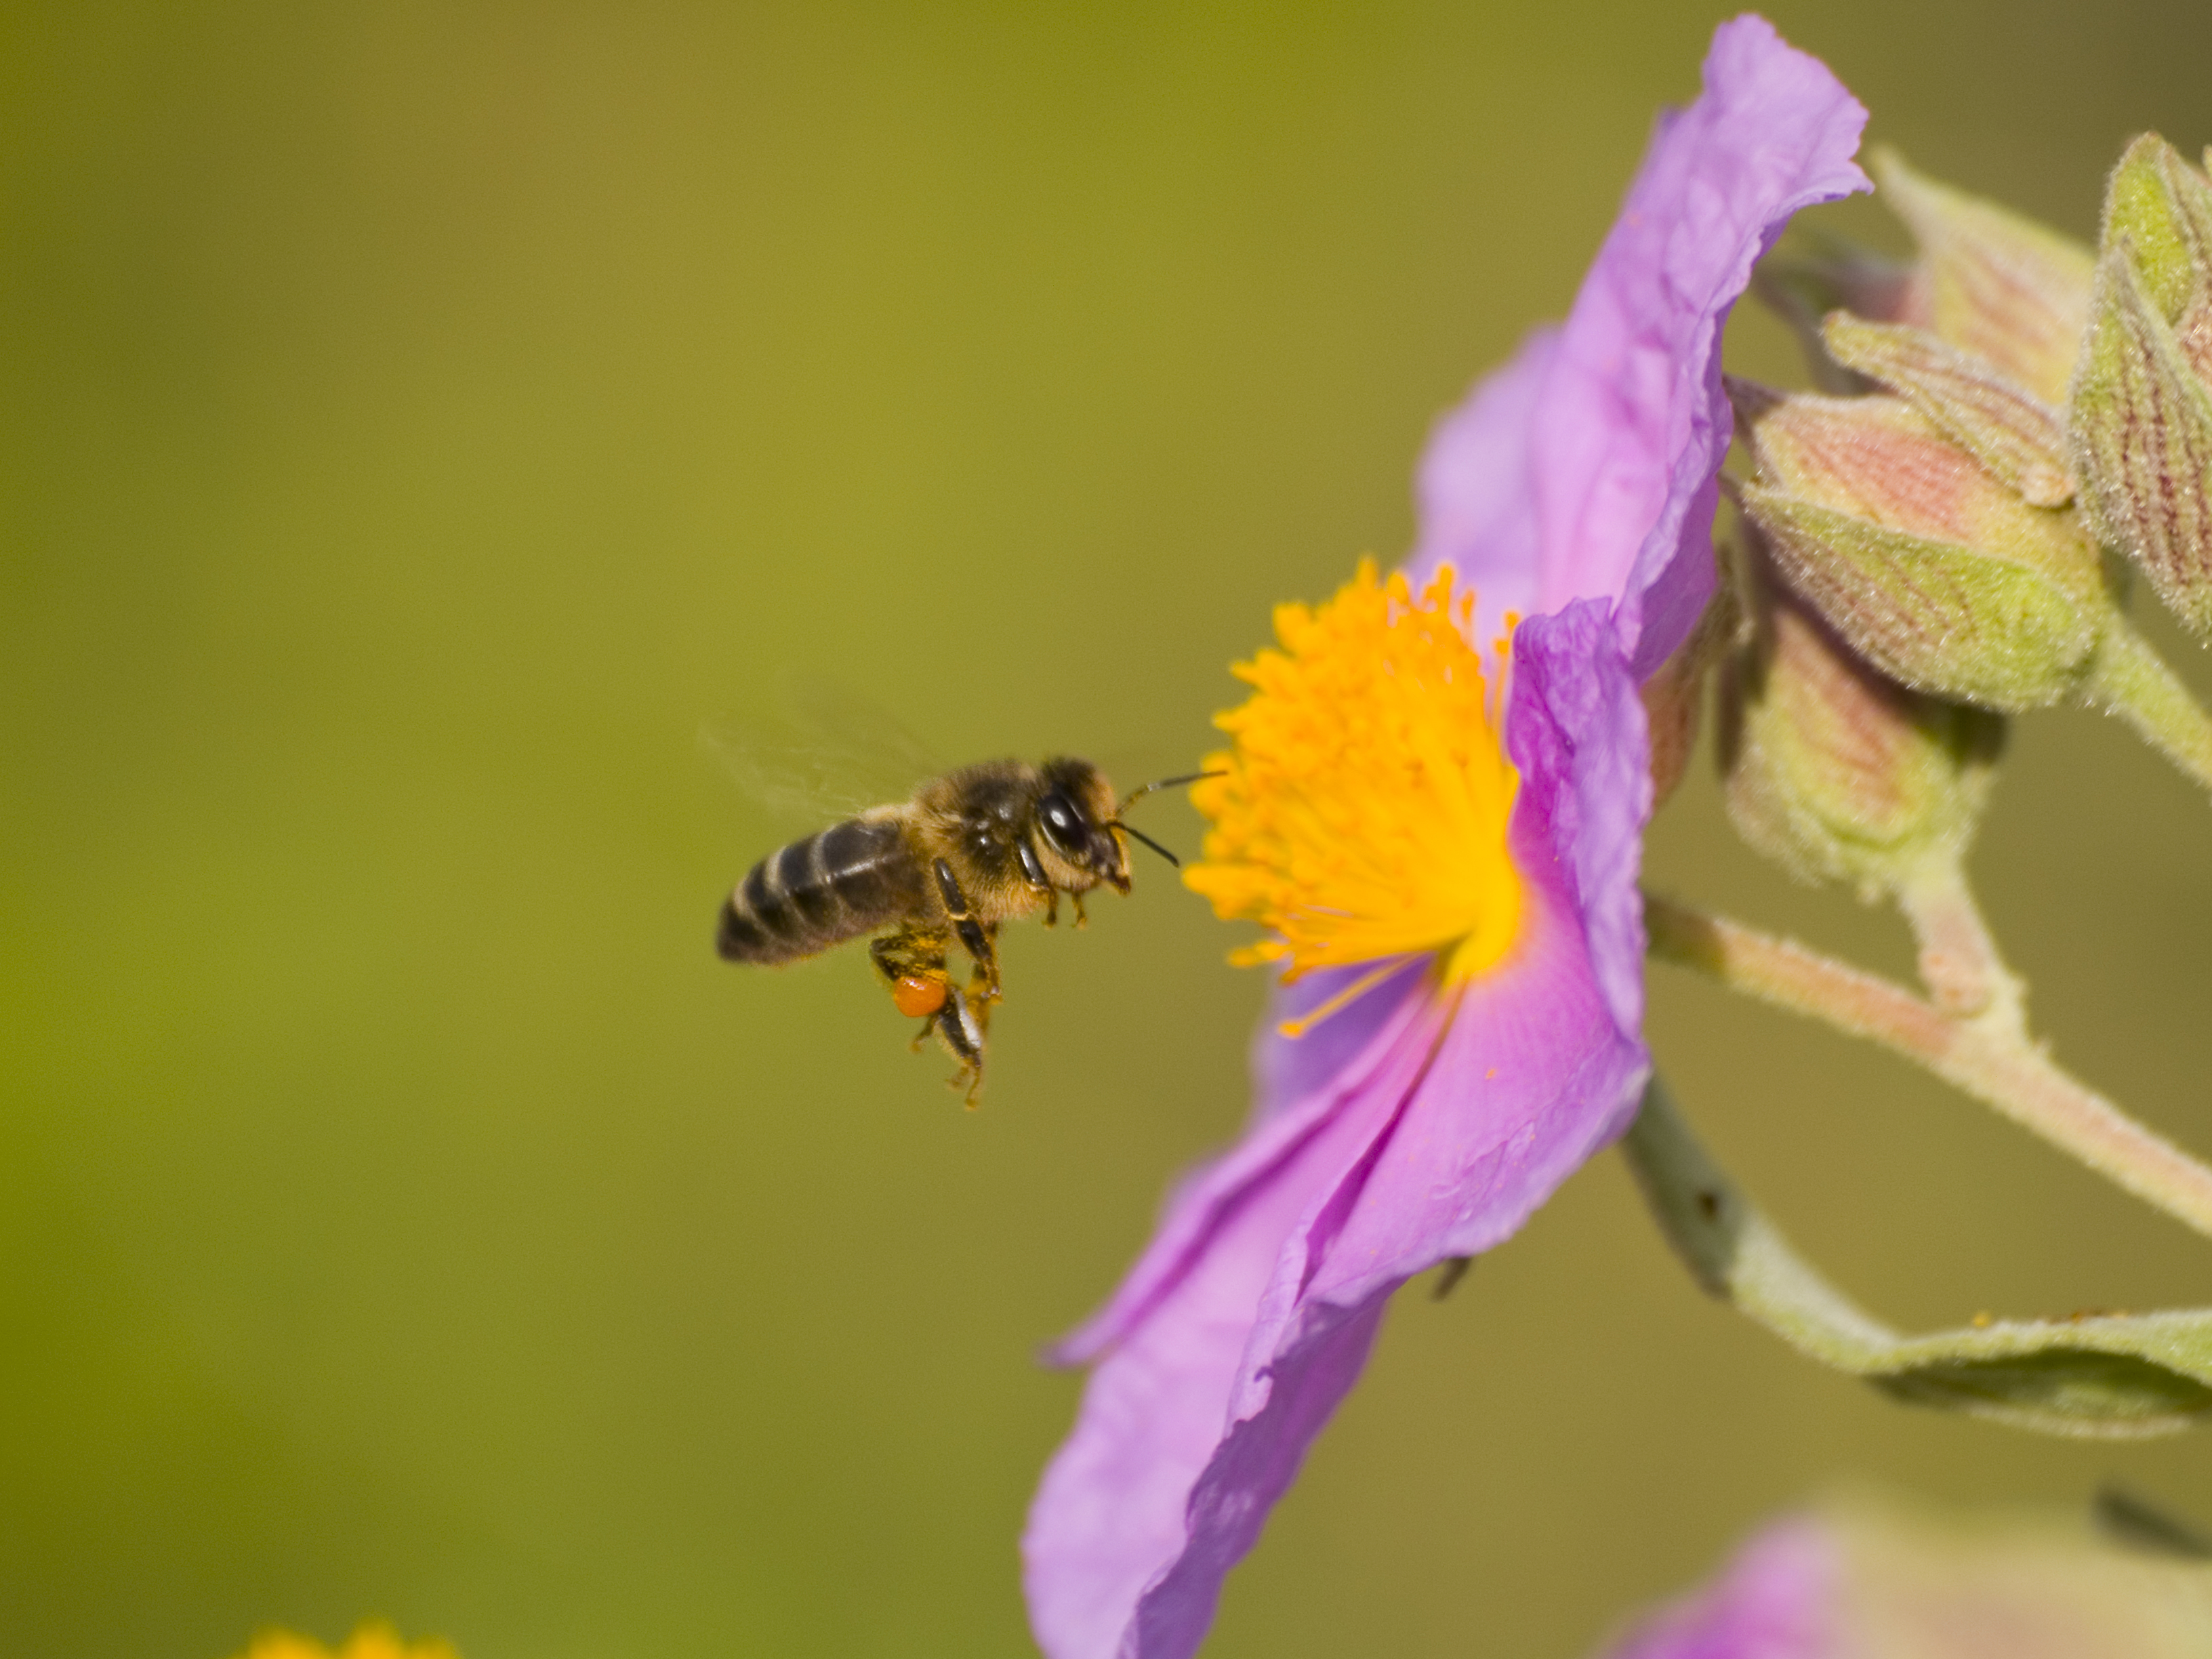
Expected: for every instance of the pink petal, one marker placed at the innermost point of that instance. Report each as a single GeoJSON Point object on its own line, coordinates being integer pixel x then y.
{"type": "Point", "coordinates": [1616, 428]}
{"type": "Point", "coordinates": [1206, 1210]}
{"type": "Point", "coordinates": [1249, 1319]}
{"type": "Point", "coordinates": [1576, 733]}
{"type": "Point", "coordinates": [1284, 1072]}
{"type": "Point", "coordinates": [1127, 1498]}
{"type": "Point", "coordinates": [1778, 1600]}
{"type": "Point", "coordinates": [1534, 1076]}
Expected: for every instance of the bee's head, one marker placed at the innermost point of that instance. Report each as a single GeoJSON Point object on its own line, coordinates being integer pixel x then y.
{"type": "Point", "coordinates": [1075, 816]}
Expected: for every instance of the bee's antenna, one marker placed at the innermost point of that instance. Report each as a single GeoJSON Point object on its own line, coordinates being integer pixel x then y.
{"type": "Point", "coordinates": [1138, 794]}
{"type": "Point", "coordinates": [1116, 824]}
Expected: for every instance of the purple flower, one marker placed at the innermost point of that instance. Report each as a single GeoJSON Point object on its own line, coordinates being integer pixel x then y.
{"type": "Point", "coordinates": [1450, 884]}
{"type": "Point", "coordinates": [1859, 1578]}
{"type": "Point", "coordinates": [1777, 1600]}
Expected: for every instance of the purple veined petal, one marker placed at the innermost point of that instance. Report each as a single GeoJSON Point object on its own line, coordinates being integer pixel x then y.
{"type": "Point", "coordinates": [1633, 424]}
{"type": "Point", "coordinates": [1119, 1511]}
{"type": "Point", "coordinates": [1288, 1070]}
{"type": "Point", "coordinates": [1533, 1077]}
{"type": "Point", "coordinates": [1586, 467]}
{"type": "Point", "coordinates": [1250, 1315]}
{"type": "Point", "coordinates": [1207, 1205]}
{"type": "Point", "coordinates": [1196, 1423]}
{"type": "Point", "coordinates": [1253, 1467]}
{"type": "Point", "coordinates": [1778, 1600]}
{"type": "Point", "coordinates": [1576, 733]}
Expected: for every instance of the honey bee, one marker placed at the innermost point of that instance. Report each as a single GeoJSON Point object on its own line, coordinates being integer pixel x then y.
{"type": "Point", "coordinates": [971, 850]}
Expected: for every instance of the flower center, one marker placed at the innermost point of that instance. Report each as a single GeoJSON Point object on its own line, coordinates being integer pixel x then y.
{"type": "Point", "coordinates": [1361, 814]}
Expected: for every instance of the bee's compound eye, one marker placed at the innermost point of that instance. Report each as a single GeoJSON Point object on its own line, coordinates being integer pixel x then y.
{"type": "Point", "coordinates": [917, 998]}
{"type": "Point", "coordinates": [1063, 825]}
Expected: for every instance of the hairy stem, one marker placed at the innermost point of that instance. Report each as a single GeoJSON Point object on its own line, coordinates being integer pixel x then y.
{"type": "Point", "coordinates": [1997, 1067]}
{"type": "Point", "coordinates": [2130, 679]}
{"type": "Point", "coordinates": [1959, 963]}
{"type": "Point", "coordinates": [2106, 1375]}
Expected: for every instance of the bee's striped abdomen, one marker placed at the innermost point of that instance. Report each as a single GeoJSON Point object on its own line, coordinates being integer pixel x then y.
{"type": "Point", "coordinates": [852, 878]}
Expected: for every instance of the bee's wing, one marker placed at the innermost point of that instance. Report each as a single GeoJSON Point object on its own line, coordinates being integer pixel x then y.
{"type": "Point", "coordinates": [820, 755]}
{"type": "Point", "coordinates": [792, 783]}
{"type": "Point", "coordinates": [863, 735]}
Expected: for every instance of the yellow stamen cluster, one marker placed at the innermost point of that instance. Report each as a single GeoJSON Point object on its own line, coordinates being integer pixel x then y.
{"type": "Point", "coordinates": [1361, 814]}
{"type": "Point", "coordinates": [375, 1640]}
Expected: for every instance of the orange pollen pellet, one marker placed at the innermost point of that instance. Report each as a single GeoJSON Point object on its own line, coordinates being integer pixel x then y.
{"type": "Point", "coordinates": [917, 998]}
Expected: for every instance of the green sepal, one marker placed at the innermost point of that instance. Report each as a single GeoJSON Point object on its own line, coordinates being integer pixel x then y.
{"type": "Point", "coordinates": [1990, 281]}
{"type": "Point", "coordinates": [1941, 618]}
{"type": "Point", "coordinates": [2104, 1376]}
{"type": "Point", "coordinates": [2012, 432]}
{"type": "Point", "coordinates": [2141, 424]}
{"type": "Point", "coordinates": [2162, 207]}
{"type": "Point", "coordinates": [1834, 770]}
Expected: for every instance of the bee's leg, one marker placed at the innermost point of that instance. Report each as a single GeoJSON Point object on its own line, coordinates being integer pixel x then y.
{"type": "Point", "coordinates": [975, 935]}
{"type": "Point", "coordinates": [1033, 872]}
{"type": "Point", "coordinates": [966, 1019]}
{"type": "Point", "coordinates": [1081, 920]}
{"type": "Point", "coordinates": [911, 960]}
{"type": "Point", "coordinates": [911, 963]}
{"type": "Point", "coordinates": [960, 1028]}
{"type": "Point", "coordinates": [982, 993]}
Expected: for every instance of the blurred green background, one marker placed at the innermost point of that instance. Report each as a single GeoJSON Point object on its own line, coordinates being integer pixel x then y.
{"type": "Point", "coordinates": [422, 419]}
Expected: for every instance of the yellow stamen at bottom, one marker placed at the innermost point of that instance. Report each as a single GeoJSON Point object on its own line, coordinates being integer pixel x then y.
{"type": "Point", "coordinates": [1343, 999]}
{"type": "Point", "coordinates": [1361, 814]}
{"type": "Point", "coordinates": [374, 1640]}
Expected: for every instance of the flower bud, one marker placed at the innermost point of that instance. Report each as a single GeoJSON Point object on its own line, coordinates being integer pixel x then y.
{"type": "Point", "coordinates": [1862, 1576]}
{"type": "Point", "coordinates": [1924, 560]}
{"type": "Point", "coordinates": [2161, 205]}
{"type": "Point", "coordinates": [1990, 281]}
{"type": "Point", "coordinates": [2014, 434]}
{"type": "Point", "coordinates": [2142, 409]}
{"type": "Point", "coordinates": [1834, 770]}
